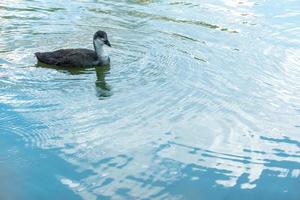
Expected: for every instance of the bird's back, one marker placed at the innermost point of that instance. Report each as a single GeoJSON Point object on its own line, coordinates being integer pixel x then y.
{"type": "Point", "coordinates": [68, 57]}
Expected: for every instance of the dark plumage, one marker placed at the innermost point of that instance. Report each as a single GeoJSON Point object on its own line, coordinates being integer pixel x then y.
{"type": "Point", "coordinates": [68, 57]}
{"type": "Point", "coordinates": [78, 57]}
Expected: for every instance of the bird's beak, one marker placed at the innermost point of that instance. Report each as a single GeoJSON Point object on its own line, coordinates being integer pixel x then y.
{"type": "Point", "coordinates": [107, 43]}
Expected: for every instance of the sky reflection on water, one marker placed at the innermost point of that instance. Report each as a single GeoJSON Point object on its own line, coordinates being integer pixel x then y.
{"type": "Point", "coordinates": [201, 101]}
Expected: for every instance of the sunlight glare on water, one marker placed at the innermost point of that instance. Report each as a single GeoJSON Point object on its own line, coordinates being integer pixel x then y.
{"type": "Point", "coordinates": [201, 101]}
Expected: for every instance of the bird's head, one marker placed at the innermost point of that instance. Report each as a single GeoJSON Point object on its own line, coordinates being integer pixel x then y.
{"type": "Point", "coordinates": [100, 37]}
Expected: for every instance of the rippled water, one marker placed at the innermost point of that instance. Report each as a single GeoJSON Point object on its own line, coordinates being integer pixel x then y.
{"type": "Point", "coordinates": [201, 101]}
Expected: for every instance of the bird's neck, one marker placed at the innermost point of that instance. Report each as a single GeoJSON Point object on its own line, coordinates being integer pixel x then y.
{"type": "Point", "coordinates": [101, 55]}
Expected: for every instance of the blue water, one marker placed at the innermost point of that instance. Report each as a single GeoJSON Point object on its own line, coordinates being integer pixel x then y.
{"type": "Point", "coordinates": [201, 101]}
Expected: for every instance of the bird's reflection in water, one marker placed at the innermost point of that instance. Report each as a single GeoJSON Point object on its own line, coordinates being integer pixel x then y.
{"type": "Point", "coordinates": [66, 70]}
{"type": "Point", "coordinates": [103, 90]}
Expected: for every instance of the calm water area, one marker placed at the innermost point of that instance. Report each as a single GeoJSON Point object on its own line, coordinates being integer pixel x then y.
{"type": "Point", "coordinates": [201, 101]}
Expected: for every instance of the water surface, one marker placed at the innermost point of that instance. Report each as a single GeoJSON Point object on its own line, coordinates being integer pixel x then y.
{"type": "Point", "coordinates": [201, 101]}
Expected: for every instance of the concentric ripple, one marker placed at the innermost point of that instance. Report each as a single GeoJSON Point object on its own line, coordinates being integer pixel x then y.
{"type": "Point", "coordinates": [201, 101]}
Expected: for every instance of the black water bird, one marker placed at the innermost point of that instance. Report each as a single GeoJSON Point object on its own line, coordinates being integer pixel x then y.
{"type": "Point", "coordinates": [78, 57]}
